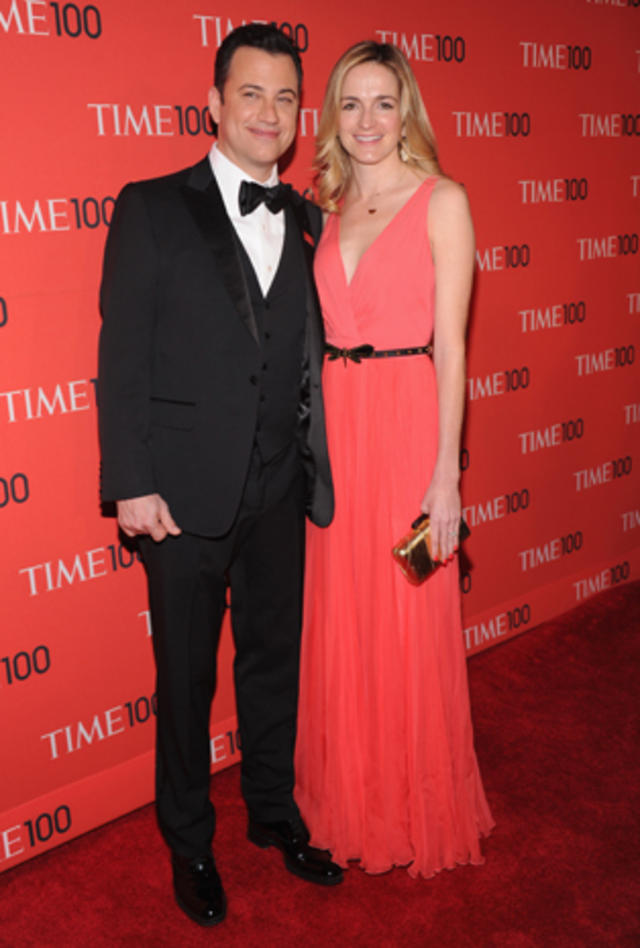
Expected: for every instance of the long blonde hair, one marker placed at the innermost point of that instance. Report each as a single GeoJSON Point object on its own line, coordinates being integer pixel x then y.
{"type": "Point", "coordinates": [331, 163]}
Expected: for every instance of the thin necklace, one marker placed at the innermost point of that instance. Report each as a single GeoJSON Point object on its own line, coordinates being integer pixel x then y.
{"type": "Point", "coordinates": [377, 194]}
{"type": "Point", "coordinates": [374, 197]}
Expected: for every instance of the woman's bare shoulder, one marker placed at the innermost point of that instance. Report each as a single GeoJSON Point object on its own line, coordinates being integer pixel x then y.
{"type": "Point", "coordinates": [449, 197]}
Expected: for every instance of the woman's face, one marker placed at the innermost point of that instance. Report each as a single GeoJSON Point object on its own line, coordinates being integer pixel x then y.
{"type": "Point", "coordinates": [369, 122]}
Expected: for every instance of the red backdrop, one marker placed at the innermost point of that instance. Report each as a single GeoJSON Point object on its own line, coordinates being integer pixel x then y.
{"type": "Point", "coordinates": [536, 111]}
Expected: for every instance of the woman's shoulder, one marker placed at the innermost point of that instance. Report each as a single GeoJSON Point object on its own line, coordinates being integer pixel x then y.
{"type": "Point", "coordinates": [449, 215]}
{"type": "Point", "coordinates": [448, 196]}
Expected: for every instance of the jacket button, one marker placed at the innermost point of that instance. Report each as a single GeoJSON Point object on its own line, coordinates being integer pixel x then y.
{"type": "Point", "coordinates": [253, 379]}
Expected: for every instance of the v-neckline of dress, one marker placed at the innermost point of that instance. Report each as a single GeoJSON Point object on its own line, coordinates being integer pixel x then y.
{"type": "Point", "coordinates": [349, 283]}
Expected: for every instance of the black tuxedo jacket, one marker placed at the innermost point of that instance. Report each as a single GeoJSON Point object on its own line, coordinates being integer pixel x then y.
{"type": "Point", "coordinates": [179, 355]}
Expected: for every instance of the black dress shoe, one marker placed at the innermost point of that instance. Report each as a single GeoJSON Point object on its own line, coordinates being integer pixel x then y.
{"type": "Point", "coordinates": [198, 889]}
{"type": "Point", "coordinates": [292, 838]}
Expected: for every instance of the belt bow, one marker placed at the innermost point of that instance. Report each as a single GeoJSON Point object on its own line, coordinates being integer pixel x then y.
{"type": "Point", "coordinates": [356, 354]}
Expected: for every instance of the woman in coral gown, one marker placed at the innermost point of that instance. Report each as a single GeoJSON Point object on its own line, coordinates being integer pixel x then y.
{"type": "Point", "coordinates": [386, 769]}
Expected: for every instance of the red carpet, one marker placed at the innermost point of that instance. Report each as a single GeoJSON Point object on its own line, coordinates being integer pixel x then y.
{"type": "Point", "coordinates": [556, 718]}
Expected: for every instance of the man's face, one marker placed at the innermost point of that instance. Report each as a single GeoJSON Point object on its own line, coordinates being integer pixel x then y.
{"type": "Point", "coordinates": [257, 114]}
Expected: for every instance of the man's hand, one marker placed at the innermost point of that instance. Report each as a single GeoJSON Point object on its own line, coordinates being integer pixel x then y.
{"type": "Point", "coordinates": [148, 514]}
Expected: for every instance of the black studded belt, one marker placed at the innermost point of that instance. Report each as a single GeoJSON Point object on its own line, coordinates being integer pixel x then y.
{"type": "Point", "coordinates": [368, 352]}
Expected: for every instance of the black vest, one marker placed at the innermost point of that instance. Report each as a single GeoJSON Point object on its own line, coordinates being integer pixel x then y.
{"type": "Point", "coordinates": [281, 319]}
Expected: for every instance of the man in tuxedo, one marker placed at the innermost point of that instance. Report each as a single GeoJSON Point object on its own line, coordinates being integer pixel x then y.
{"type": "Point", "coordinates": [213, 445]}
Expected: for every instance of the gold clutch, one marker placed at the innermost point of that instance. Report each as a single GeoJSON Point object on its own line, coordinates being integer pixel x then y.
{"type": "Point", "coordinates": [413, 552]}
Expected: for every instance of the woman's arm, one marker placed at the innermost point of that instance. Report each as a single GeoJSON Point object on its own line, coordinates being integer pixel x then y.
{"type": "Point", "coordinates": [452, 241]}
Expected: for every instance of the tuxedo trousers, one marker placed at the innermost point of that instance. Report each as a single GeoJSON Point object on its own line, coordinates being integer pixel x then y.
{"type": "Point", "coordinates": [261, 559]}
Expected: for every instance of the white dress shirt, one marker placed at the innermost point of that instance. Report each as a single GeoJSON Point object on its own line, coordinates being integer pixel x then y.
{"type": "Point", "coordinates": [261, 231]}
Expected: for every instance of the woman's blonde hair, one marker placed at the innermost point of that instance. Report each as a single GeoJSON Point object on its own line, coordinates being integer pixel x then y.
{"type": "Point", "coordinates": [418, 145]}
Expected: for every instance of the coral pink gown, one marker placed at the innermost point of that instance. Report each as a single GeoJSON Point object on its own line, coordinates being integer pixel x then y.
{"type": "Point", "coordinates": [386, 770]}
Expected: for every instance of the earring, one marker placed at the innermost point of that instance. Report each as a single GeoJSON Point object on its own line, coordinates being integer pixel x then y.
{"type": "Point", "coordinates": [403, 154]}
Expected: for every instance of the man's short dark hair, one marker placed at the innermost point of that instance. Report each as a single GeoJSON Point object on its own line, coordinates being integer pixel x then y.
{"type": "Point", "coordinates": [258, 36]}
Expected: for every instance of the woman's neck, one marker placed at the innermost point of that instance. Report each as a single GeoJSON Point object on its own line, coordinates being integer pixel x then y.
{"type": "Point", "coordinates": [369, 182]}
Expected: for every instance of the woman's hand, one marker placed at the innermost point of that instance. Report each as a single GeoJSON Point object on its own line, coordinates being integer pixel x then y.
{"type": "Point", "coordinates": [442, 503]}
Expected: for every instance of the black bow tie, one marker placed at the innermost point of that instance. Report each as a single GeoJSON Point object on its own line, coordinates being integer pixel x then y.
{"type": "Point", "coordinates": [252, 194]}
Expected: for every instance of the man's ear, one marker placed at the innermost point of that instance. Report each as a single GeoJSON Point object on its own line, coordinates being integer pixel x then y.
{"type": "Point", "coordinates": [215, 101]}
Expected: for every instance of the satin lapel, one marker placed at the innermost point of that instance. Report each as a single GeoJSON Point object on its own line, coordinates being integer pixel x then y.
{"type": "Point", "coordinates": [208, 210]}
{"type": "Point", "coordinates": [315, 344]}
